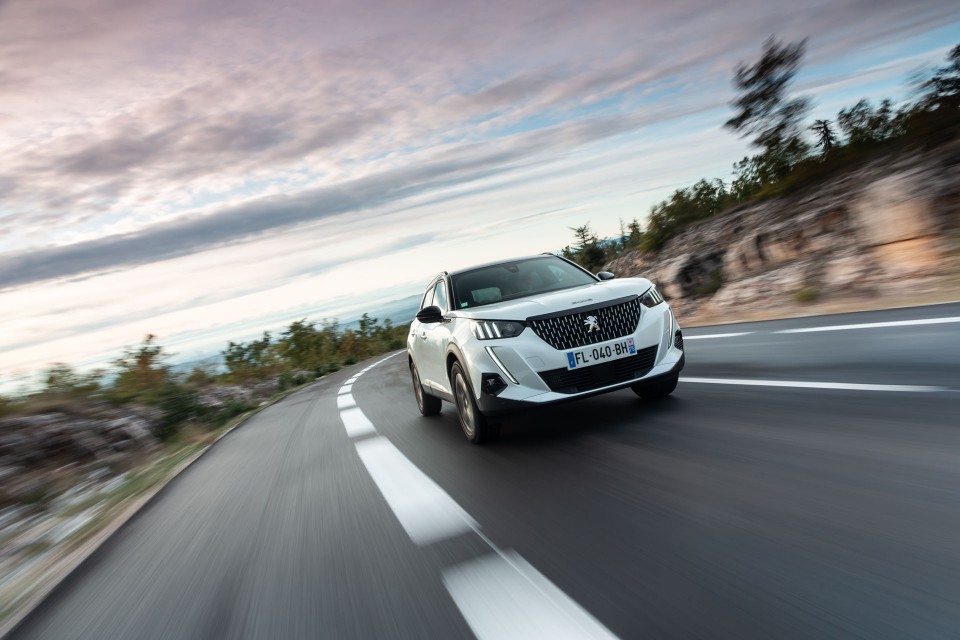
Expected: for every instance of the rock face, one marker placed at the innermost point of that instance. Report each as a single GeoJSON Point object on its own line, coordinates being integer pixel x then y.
{"type": "Point", "coordinates": [219, 397]}
{"type": "Point", "coordinates": [43, 453]}
{"type": "Point", "coordinates": [38, 453]}
{"type": "Point", "coordinates": [59, 466]}
{"type": "Point", "coordinates": [879, 231]}
{"type": "Point", "coordinates": [56, 467]}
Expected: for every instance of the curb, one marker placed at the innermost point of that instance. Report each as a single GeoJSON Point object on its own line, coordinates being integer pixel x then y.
{"type": "Point", "coordinates": [63, 567]}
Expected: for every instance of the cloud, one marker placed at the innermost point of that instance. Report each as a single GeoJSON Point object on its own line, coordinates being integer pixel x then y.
{"type": "Point", "coordinates": [196, 111]}
{"type": "Point", "coordinates": [108, 311]}
{"type": "Point", "coordinates": [235, 223]}
{"type": "Point", "coordinates": [198, 147]}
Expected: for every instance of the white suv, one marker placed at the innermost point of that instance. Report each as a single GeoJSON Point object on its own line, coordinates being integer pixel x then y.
{"type": "Point", "coordinates": [506, 336]}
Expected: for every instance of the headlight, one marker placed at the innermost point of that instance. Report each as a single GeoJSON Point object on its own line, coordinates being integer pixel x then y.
{"type": "Point", "coordinates": [494, 329]}
{"type": "Point", "coordinates": [670, 325]}
{"type": "Point", "coordinates": [651, 298]}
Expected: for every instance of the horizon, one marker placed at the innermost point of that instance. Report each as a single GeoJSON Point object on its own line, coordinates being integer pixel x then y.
{"type": "Point", "coordinates": [184, 361]}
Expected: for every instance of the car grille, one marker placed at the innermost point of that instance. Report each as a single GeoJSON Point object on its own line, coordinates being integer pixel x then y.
{"type": "Point", "coordinates": [678, 340]}
{"type": "Point", "coordinates": [600, 375]}
{"type": "Point", "coordinates": [569, 331]}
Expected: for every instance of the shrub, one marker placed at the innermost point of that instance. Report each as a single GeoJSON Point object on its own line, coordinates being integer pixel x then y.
{"type": "Point", "coordinates": [178, 405]}
{"type": "Point", "coordinates": [285, 381]}
{"type": "Point", "coordinates": [712, 286]}
{"type": "Point", "coordinates": [805, 294]}
{"type": "Point", "coordinates": [231, 409]}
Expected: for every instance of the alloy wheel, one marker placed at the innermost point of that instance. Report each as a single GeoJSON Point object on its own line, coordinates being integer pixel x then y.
{"type": "Point", "coordinates": [465, 407]}
{"type": "Point", "coordinates": [417, 388]}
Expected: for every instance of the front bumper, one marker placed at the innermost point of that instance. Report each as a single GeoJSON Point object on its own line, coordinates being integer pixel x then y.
{"type": "Point", "coordinates": [531, 366]}
{"type": "Point", "coordinates": [498, 406]}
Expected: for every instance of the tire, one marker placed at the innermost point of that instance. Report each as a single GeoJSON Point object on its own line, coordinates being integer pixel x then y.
{"type": "Point", "coordinates": [659, 389]}
{"type": "Point", "coordinates": [428, 405]}
{"type": "Point", "coordinates": [476, 427]}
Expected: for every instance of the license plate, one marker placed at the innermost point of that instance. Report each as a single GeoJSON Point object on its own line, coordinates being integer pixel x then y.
{"type": "Point", "coordinates": [601, 353]}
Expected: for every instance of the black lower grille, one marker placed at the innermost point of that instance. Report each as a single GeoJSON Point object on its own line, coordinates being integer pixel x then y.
{"type": "Point", "coordinates": [600, 375]}
{"type": "Point", "coordinates": [678, 340]}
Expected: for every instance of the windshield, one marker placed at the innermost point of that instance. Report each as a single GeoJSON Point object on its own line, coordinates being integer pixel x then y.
{"type": "Point", "coordinates": [511, 280]}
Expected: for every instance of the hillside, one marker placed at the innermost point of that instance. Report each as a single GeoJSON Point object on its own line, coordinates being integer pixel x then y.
{"type": "Point", "coordinates": [884, 234]}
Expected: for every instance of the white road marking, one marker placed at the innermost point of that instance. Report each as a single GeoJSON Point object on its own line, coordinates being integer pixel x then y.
{"type": "Point", "coordinates": [500, 596]}
{"type": "Point", "coordinates": [503, 596]}
{"type": "Point", "coordinates": [716, 335]}
{"type": "Point", "coordinates": [424, 510]}
{"type": "Point", "coordinates": [804, 384]}
{"type": "Point", "coordinates": [355, 423]}
{"type": "Point", "coordinates": [872, 325]}
{"type": "Point", "coordinates": [345, 401]}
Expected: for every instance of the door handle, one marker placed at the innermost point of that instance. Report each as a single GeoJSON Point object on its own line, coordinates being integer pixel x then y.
{"type": "Point", "coordinates": [423, 335]}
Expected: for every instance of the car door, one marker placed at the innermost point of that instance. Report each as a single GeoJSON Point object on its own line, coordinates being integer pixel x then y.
{"type": "Point", "coordinates": [434, 338]}
{"type": "Point", "coordinates": [418, 334]}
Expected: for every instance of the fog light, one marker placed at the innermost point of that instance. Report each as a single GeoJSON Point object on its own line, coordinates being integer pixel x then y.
{"type": "Point", "coordinates": [492, 383]}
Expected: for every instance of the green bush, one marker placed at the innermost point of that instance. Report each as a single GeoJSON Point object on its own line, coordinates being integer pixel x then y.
{"type": "Point", "coordinates": [178, 406]}
{"type": "Point", "coordinates": [713, 284]}
{"type": "Point", "coordinates": [806, 294]}
{"type": "Point", "coordinates": [285, 381]}
{"type": "Point", "coordinates": [9, 406]}
{"type": "Point", "coordinates": [231, 409]}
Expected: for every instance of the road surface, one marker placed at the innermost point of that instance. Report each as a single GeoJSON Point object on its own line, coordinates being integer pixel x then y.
{"type": "Point", "coordinates": [802, 482]}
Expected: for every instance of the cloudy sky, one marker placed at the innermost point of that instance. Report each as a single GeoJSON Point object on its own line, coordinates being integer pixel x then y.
{"type": "Point", "coordinates": [207, 169]}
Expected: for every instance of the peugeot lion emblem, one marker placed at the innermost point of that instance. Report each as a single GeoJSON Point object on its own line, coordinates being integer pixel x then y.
{"type": "Point", "coordinates": [591, 323]}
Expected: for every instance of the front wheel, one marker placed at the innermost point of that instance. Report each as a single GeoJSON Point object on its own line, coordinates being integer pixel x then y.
{"type": "Point", "coordinates": [658, 389]}
{"type": "Point", "coordinates": [475, 425]}
{"type": "Point", "coordinates": [428, 405]}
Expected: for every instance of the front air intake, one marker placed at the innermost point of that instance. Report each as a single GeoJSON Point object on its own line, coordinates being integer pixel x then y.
{"type": "Point", "coordinates": [600, 375]}
{"type": "Point", "coordinates": [570, 330]}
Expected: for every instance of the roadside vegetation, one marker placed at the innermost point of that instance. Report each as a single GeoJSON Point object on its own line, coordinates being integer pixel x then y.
{"type": "Point", "coordinates": [792, 153]}
{"type": "Point", "coordinates": [142, 375]}
{"type": "Point", "coordinates": [110, 421]}
{"type": "Point", "coordinates": [77, 453]}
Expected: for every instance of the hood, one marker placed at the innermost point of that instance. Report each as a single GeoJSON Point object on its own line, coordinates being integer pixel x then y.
{"type": "Point", "coordinates": [565, 299]}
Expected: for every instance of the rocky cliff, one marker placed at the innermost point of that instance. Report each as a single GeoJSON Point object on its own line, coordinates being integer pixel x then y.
{"type": "Point", "coordinates": [55, 442]}
{"type": "Point", "coordinates": [63, 461]}
{"type": "Point", "coordinates": [885, 234]}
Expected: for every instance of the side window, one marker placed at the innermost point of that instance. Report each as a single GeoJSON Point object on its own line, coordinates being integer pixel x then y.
{"type": "Point", "coordinates": [427, 299]}
{"type": "Point", "coordinates": [440, 296]}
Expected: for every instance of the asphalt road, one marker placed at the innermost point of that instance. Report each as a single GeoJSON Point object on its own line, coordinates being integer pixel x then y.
{"type": "Point", "coordinates": [798, 484]}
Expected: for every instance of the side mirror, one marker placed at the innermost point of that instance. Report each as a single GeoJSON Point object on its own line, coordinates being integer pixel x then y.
{"type": "Point", "coordinates": [430, 315]}
{"type": "Point", "coordinates": [606, 275]}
